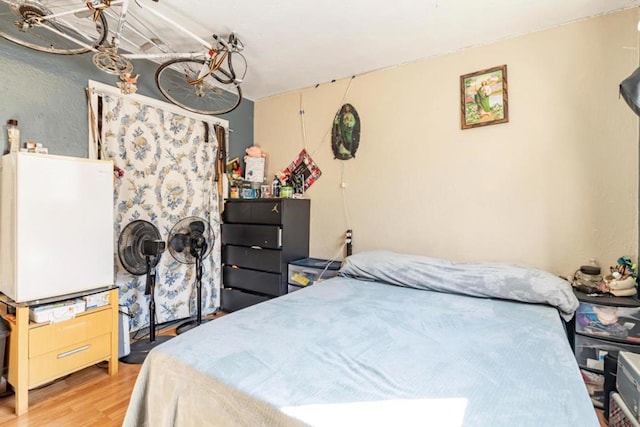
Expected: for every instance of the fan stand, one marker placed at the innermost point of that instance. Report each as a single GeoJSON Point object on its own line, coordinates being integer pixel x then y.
{"type": "Point", "coordinates": [190, 324]}
{"type": "Point", "coordinates": [141, 348]}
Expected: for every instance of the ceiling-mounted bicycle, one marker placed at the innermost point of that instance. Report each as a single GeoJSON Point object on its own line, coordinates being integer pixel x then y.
{"type": "Point", "coordinates": [206, 81]}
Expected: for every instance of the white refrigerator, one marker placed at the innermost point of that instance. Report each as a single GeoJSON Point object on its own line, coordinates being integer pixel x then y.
{"type": "Point", "coordinates": [56, 225]}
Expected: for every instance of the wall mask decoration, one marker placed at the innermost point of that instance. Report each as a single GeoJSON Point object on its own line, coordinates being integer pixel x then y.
{"type": "Point", "coordinates": [345, 135]}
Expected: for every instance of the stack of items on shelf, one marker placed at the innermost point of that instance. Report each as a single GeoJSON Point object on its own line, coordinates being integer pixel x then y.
{"type": "Point", "coordinates": [65, 310]}
{"type": "Point", "coordinates": [249, 186]}
{"type": "Point", "coordinates": [291, 182]}
{"type": "Point", "coordinates": [13, 138]}
{"type": "Point", "coordinates": [96, 300]}
{"type": "Point", "coordinates": [57, 312]}
{"type": "Point", "coordinates": [34, 147]}
{"type": "Point", "coordinates": [621, 281]}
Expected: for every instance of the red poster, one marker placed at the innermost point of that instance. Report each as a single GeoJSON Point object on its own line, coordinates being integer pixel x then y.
{"type": "Point", "coordinates": [301, 173]}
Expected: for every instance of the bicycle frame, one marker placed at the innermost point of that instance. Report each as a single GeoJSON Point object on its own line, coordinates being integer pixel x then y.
{"type": "Point", "coordinates": [121, 24]}
{"type": "Point", "coordinates": [202, 81]}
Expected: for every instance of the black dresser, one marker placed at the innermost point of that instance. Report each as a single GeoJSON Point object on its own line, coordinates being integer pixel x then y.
{"type": "Point", "coordinates": [259, 239]}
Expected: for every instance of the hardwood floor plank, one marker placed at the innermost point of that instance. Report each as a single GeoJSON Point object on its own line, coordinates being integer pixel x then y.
{"type": "Point", "coordinates": [88, 397]}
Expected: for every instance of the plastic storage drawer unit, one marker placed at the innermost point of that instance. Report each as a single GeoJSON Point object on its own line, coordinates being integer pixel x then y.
{"type": "Point", "coordinates": [307, 271]}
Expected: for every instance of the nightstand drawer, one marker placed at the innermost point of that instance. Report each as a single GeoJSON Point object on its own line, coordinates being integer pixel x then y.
{"type": "Point", "coordinates": [90, 324]}
{"type": "Point", "coordinates": [608, 321]}
{"type": "Point", "coordinates": [590, 351]}
{"type": "Point", "coordinates": [252, 280]}
{"type": "Point", "coordinates": [264, 236]}
{"type": "Point", "coordinates": [269, 260]}
{"type": "Point", "coordinates": [49, 366]}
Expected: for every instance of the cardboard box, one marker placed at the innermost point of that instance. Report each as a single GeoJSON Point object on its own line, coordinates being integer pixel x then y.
{"type": "Point", "coordinates": [628, 380]}
{"type": "Point", "coordinates": [96, 300]}
{"type": "Point", "coordinates": [56, 312]}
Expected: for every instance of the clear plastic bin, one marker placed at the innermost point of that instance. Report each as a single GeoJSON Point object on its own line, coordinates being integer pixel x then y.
{"type": "Point", "coordinates": [590, 352]}
{"type": "Point", "coordinates": [608, 321]}
{"type": "Point", "coordinates": [307, 271]}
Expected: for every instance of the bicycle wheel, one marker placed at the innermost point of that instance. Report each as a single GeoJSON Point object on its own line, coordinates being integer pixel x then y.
{"type": "Point", "coordinates": [25, 23]}
{"type": "Point", "coordinates": [233, 69]}
{"type": "Point", "coordinates": [210, 96]}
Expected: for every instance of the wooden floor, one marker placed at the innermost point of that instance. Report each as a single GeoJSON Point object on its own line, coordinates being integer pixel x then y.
{"type": "Point", "coordinates": [86, 398]}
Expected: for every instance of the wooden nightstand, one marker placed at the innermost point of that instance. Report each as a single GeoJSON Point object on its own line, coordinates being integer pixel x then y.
{"type": "Point", "coordinates": [42, 352]}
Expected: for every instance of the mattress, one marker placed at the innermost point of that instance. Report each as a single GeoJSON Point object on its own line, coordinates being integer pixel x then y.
{"type": "Point", "coordinates": [348, 351]}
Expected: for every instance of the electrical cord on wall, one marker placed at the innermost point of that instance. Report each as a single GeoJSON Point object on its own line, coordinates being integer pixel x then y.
{"type": "Point", "coordinates": [344, 97]}
{"type": "Point", "coordinates": [343, 187]}
{"type": "Point", "coordinates": [342, 165]}
{"type": "Point", "coordinates": [329, 261]}
{"type": "Point", "coordinates": [304, 129]}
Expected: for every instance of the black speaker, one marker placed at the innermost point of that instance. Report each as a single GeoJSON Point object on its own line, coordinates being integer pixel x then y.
{"type": "Point", "coordinates": [610, 375]}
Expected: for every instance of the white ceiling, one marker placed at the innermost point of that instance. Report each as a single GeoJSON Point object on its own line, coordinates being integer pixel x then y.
{"type": "Point", "coordinates": [293, 44]}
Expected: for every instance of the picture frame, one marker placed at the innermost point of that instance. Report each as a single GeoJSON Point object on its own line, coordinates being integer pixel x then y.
{"type": "Point", "coordinates": [301, 173]}
{"type": "Point", "coordinates": [234, 169]}
{"type": "Point", "coordinates": [484, 97]}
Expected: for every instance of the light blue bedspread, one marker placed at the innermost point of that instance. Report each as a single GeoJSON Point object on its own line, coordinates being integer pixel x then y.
{"type": "Point", "coordinates": [352, 352]}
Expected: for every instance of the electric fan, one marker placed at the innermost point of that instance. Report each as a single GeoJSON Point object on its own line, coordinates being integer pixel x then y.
{"type": "Point", "coordinates": [139, 250]}
{"type": "Point", "coordinates": [190, 241]}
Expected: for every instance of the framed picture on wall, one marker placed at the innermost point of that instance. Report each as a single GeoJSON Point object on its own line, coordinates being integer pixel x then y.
{"type": "Point", "coordinates": [483, 97]}
{"type": "Point", "coordinates": [234, 170]}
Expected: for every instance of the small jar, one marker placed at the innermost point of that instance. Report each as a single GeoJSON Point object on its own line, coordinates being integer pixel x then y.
{"type": "Point", "coordinates": [234, 193]}
{"type": "Point", "coordinates": [13, 133]}
{"type": "Point", "coordinates": [286, 192]}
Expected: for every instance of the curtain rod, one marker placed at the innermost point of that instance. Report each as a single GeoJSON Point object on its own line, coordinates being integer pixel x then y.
{"type": "Point", "coordinates": [104, 89]}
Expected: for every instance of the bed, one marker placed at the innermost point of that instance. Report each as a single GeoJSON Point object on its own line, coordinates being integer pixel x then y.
{"type": "Point", "coordinates": [394, 340]}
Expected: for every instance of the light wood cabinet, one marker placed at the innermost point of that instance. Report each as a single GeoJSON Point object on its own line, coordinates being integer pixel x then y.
{"type": "Point", "coordinates": [40, 353]}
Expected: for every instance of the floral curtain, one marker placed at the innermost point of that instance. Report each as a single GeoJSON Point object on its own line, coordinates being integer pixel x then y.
{"type": "Point", "coordinates": [168, 163]}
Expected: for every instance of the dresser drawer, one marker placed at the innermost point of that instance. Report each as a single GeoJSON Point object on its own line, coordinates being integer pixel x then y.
{"type": "Point", "coordinates": [257, 259]}
{"type": "Point", "coordinates": [590, 351]}
{"type": "Point", "coordinates": [252, 280]}
{"type": "Point", "coordinates": [233, 299]}
{"type": "Point", "coordinates": [254, 212]}
{"type": "Point", "coordinates": [49, 366]}
{"type": "Point", "coordinates": [264, 236]}
{"type": "Point", "coordinates": [90, 324]}
{"type": "Point", "coordinates": [608, 321]}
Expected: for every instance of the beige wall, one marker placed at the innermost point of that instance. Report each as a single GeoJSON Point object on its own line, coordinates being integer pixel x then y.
{"type": "Point", "coordinates": [555, 186]}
